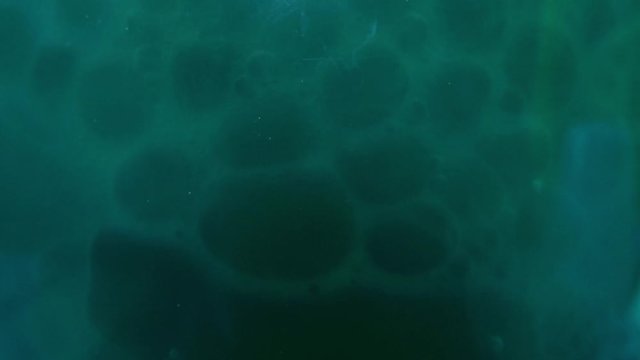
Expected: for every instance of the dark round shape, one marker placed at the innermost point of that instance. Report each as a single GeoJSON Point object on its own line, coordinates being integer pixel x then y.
{"type": "Point", "coordinates": [113, 102]}
{"type": "Point", "coordinates": [16, 41]}
{"type": "Point", "coordinates": [542, 64]}
{"type": "Point", "coordinates": [268, 132]}
{"type": "Point", "coordinates": [457, 95]}
{"type": "Point", "coordinates": [367, 91]}
{"type": "Point", "coordinates": [355, 325]}
{"type": "Point", "coordinates": [410, 248]}
{"type": "Point", "coordinates": [157, 185]}
{"type": "Point", "coordinates": [148, 297]}
{"type": "Point", "coordinates": [290, 226]}
{"type": "Point", "coordinates": [202, 76]}
{"type": "Point", "coordinates": [53, 70]}
{"type": "Point", "coordinates": [387, 171]}
{"type": "Point", "coordinates": [473, 24]}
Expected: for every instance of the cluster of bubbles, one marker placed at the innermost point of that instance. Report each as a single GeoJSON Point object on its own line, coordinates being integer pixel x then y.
{"type": "Point", "coordinates": [300, 179]}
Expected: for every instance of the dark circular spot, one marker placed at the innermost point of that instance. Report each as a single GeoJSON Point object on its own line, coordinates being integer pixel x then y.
{"type": "Point", "coordinates": [457, 95]}
{"type": "Point", "coordinates": [53, 70]}
{"type": "Point", "coordinates": [16, 42]}
{"type": "Point", "coordinates": [266, 132]}
{"type": "Point", "coordinates": [113, 102]}
{"type": "Point", "coordinates": [368, 90]}
{"type": "Point", "coordinates": [202, 76]}
{"type": "Point", "coordinates": [157, 185]}
{"type": "Point", "coordinates": [356, 325]}
{"type": "Point", "coordinates": [411, 246]}
{"type": "Point", "coordinates": [388, 170]}
{"type": "Point", "coordinates": [149, 298]}
{"type": "Point", "coordinates": [285, 226]}
{"type": "Point", "coordinates": [542, 64]}
{"type": "Point", "coordinates": [473, 24]}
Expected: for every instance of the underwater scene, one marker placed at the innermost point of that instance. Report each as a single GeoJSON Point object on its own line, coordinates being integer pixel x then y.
{"type": "Point", "coordinates": [319, 179]}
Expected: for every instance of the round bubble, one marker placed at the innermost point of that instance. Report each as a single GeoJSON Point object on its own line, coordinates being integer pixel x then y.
{"type": "Point", "coordinates": [289, 226]}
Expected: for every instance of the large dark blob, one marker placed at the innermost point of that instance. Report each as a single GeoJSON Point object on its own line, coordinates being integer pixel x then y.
{"type": "Point", "coordinates": [356, 324]}
{"type": "Point", "coordinates": [153, 300]}
{"type": "Point", "coordinates": [287, 226]}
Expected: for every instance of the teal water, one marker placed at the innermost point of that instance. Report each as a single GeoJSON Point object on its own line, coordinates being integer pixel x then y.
{"type": "Point", "coordinates": [337, 179]}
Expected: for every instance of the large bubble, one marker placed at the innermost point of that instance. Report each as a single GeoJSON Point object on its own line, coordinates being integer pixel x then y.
{"type": "Point", "coordinates": [285, 226]}
{"type": "Point", "coordinates": [356, 325]}
{"type": "Point", "coordinates": [151, 299]}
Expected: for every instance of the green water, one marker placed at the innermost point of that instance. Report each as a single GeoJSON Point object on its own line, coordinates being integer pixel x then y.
{"type": "Point", "coordinates": [329, 179]}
